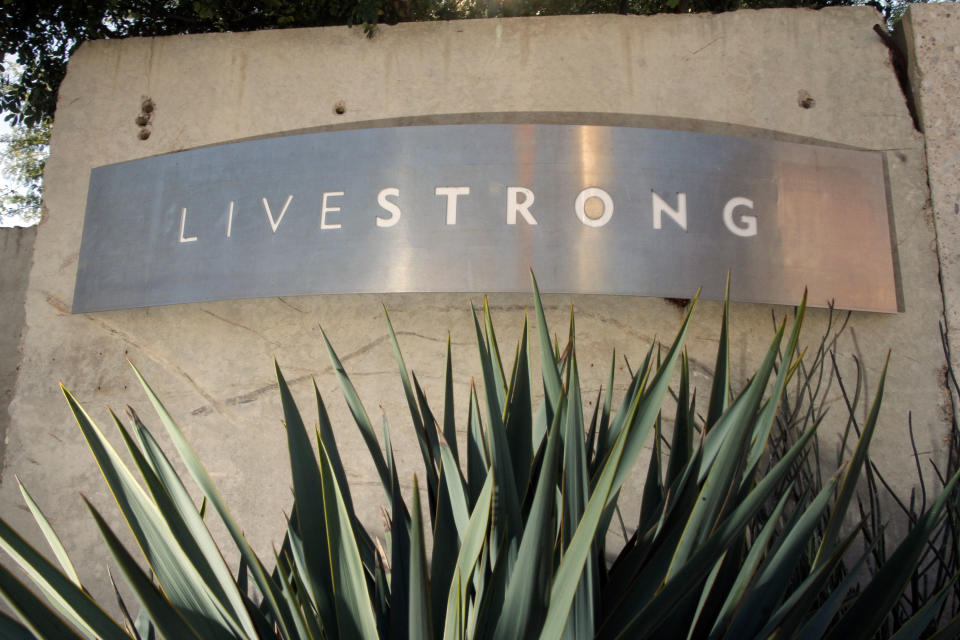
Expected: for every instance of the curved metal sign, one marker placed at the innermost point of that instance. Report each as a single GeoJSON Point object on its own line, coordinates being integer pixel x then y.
{"type": "Point", "coordinates": [591, 209]}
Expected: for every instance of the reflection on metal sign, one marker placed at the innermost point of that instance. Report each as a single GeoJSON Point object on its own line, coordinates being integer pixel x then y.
{"type": "Point", "coordinates": [591, 209]}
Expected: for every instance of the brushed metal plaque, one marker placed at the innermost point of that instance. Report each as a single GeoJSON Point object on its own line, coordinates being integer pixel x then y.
{"type": "Point", "coordinates": [591, 209]}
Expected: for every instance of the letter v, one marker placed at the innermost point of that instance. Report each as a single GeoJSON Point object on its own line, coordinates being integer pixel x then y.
{"type": "Point", "coordinates": [276, 223]}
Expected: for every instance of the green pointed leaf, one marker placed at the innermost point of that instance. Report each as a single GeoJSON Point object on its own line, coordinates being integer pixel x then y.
{"type": "Point", "coordinates": [478, 458]}
{"type": "Point", "coordinates": [470, 550]}
{"type": "Point", "coordinates": [645, 615]}
{"type": "Point", "coordinates": [202, 549]}
{"type": "Point", "coordinates": [764, 594]}
{"type": "Point", "coordinates": [849, 484]}
{"type": "Point", "coordinates": [41, 621]}
{"type": "Point", "coordinates": [519, 419]}
{"type": "Point", "coordinates": [877, 599]}
{"type": "Point", "coordinates": [720, 392]}
{"type": "Point", "coordinates": [507, 492]}
{"type": "Point", "coordinates": [268, 589]}
{"type": "Point", "coordinates": [418, 585]}
{"type": "Point", "coordinates": [50, 535]}
{"type": "Point", "coordinates": [355, 616]}
{"type": "Point", "coordinates": [164, 615]}
{"type": "Point", "coordinates": [13, 630]}
{"type": "Point", "coordinates": [359, 415]}
{"type": "Point", "coordinates": [528, 587]}
{"type": "Point", "coordinates": [548, 363]}
{"type": "Point", "coordinates": [449, 418]}
{"type": "Point", "coordinates": [748, 569]}
{"type": "Point", "coordinates": [681, 443]}
{"type": "Point", "coordinates": [309, 521]}
{"type": "Point", "coordinates": [159, 535]}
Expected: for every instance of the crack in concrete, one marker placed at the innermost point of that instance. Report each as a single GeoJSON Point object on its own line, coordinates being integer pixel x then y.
{"type": "Point", "coordinates": [240, 326]}
{"type": "Point", "coordinates": [294, 307]}
{"type": "Point", "coordinates": [60, 305]}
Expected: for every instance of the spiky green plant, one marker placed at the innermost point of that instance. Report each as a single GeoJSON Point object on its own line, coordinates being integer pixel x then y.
{"type": "Point", "coordinates": [723, 548]}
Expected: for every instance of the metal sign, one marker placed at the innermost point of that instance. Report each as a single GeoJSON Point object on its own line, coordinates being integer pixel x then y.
{"type": "Point", "coordinates": [591, 209]}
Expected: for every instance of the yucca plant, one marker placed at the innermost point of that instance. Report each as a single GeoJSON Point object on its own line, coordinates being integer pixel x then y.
{"type": "Point", "coordinates": [723, 546]}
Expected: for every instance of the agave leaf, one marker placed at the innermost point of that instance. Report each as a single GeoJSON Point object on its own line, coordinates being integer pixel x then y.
{"type": "Point", "coordinates": [720, 391]}
{"type": "Point", "coordinates": [418, 585]}
{"type": "Point", "coordinates": [446, 546]}
{"type": "Point", "coordinates": [637, 384]}
{"type": "Point", "coordinates": [50, 535]}
{"type": "Point", "coordinates": [355, 617]}
{"type": "Point", "coordinates": [470, 550]}
{"type": "Point", "coordinates": [604, 426]}
{"type": "Point", "coordinates": [309, 522]}
{"type": "Point", "coordinates": [615, 468]}
{"type": "Point", "coordinates": [324, 433]}
{"type": "Point", "coordinates": [638, 617]}
{"type": "Point", "coordinates": [203, 551]}
{"type": "Point", "coordinates": [295, 604]}
{"type": "Point", "coordinates": [13, 630]}
{"type": "Point", "coordinates": [294, 562]}
{"type": "Point", "coordinates": [876, 600]}
{"type": "Point", "coordinates": [949, 631]}
{"type": "Point", "coordinates": [128, 621]}
{"type": "Point", "coordinates": [432, 428]}
{"type": "Point", "coordinates": [736, 422]}
{"type": "Point", "coordinates": [507, 498]}
{"type": "Point", "coordinates": [449, 418]}
{"type": "Point", "coordinates": [849, 484]}
{"type": "Point", "coordinates": [182, 582]}
{"type": "Point", "coordinates": [651, 503]}
{"type": "Point", "coordinates": [405, 378]}
{"type": "Point", "coordinates": [528, 586]}
{"type": "Point", "coordinates": [268, 589]}
{"type": "Point", "coordinates": [769, 411]}
{"type": "Point", "coordinates": [456, 493]}
{"type": "Point", "coordinates": [477, 450]}
{"type": "Point", "coordinates": [681, 443]}
{"type": "Point", "coordinates": [575, 496]}
{"type": "Point", "coordinates": [747, 569]}
{"type": "Point", "coordinates": [761, 598]}
{"type": "Point", "coordinates": [326, 436]}
{"type": "Point", "coordinates": [519, 419]}
{"type": "Point", "coordinates": [494, 352]}
{"type": "Point", "coordinates": [708, 586]}
{"type": "Point", "coordinates": [164, 615]}
{"type": "Point", "coordinates": [382, 597]}
{"type": "Point", "coordinates": [548, 362]}
{"type": "Point", "coordinates": [359, 415]}
{"type": "Point", "coordinates": [399, 549]}
{"type": "Point", "coordinates": [40, 620]}
{"type": "Point", "coordinates": [801, 615]}
{"type": "Point", "coordinates": [647, 405]}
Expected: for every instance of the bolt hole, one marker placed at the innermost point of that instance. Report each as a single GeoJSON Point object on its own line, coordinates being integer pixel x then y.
{"type": "Point", "coordinates": [805, 100]}
{"type": "Point", "coordinates": [142, 120]}
{"type": "Point", "coordinates": [340, 108]}
{"type": "Point", "coordinates": [147, 106]}
{"type": "Point", "coordinates": [144, 134]}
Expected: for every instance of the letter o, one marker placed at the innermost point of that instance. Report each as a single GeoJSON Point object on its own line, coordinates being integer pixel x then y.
{"type": "Point", "coordinates": [580, 206]}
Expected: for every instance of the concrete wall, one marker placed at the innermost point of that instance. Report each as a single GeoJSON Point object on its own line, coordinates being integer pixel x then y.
{"type": "Point", "coordinates": [16, 255]}
{"type": "Point", "coordinates": [932, 37]}
{"type": "Point", "coordinates": [743, 72]}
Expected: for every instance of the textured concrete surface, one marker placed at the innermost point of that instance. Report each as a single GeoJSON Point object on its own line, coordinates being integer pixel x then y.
{"type": "Point", "coordinates": [16, 254]}
{"type": "Point", "coordinates": [748, 71]}
{"type": "Point", "coordinates": [932, 35]}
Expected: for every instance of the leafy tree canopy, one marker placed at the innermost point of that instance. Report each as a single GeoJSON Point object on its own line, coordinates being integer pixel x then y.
{"type": "Point", "coordinates": [41, 35]}
{"type": "Point", "coordinates": [22, 169]}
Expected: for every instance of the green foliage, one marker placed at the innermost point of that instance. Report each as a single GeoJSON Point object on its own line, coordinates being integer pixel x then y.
{"type": "Point", "coordinates": [23, 162]}
{"type": "Point", "coordinates": [735, 539]}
